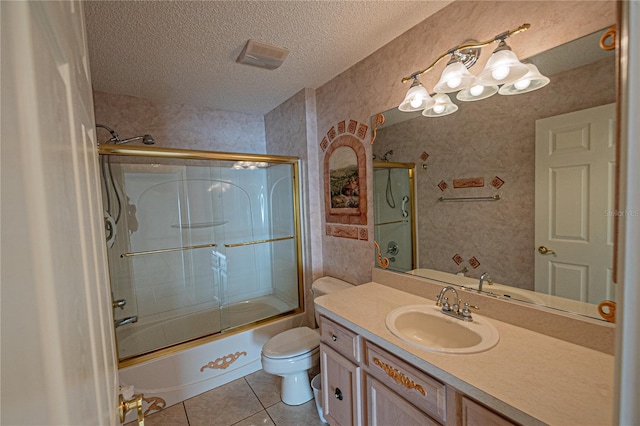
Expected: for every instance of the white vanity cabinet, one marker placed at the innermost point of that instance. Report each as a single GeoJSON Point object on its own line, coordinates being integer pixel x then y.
{"type": "Point", "coordinates": [365, 384]}
{"type": "Point", "coordinates": [340, 355]}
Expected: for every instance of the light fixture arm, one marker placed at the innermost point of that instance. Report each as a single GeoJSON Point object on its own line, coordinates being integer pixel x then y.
{"type": "Point", "coordinates": [475, 45]}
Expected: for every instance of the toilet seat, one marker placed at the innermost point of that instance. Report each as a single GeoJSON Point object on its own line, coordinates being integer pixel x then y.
{"type": "Point", "coordinates": [291, 343]}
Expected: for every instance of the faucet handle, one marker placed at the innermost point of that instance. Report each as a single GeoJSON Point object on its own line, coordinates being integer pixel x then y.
{"type": "Point", "coordinates": [465, 309]}
{"type": "Point", "coordinates": [445, 305]}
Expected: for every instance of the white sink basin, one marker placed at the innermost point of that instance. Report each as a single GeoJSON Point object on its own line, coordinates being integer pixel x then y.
{"type": "Point", "coordinates": [426, 327]}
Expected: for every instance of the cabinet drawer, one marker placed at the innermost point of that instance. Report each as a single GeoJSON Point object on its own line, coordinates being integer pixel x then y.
{"type": "Point", "coordinates": [474, 414]}
{"type": "Point", "coordinates": [340, 339]}
{"type": "Point", "coordinates": [412, 384]}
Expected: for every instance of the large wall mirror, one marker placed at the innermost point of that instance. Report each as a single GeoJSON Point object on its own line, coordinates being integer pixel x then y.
{"type": "Point", "coordinates": [549, 156]}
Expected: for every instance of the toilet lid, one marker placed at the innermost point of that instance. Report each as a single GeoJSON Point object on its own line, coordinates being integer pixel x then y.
{"type": "Point", "coordinates": [296, 341]}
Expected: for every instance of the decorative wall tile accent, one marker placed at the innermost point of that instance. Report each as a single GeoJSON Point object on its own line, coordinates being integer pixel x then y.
{"type": "Point", "coordinates": [474, 262]}
{"type": "Point", "coordinates": [324, 144]}
{"type": "Point", "coordinates": [443, 185]}
{"type": "Point", "coordinates": [424, 156]}
{"type": "Point", "coordinates": [496, 182]}
{"type": "Point", "coordinates": [345, 232]}
{"type": "Point", "coordinates": [477, 182]}
{"type": "Point", "coordinates": [364, 234]}
{"type": "Point", "coordinates": [332, 134]}
{"type": "Point", "coordinates": [362, 131]}
{"type": "Point", "coordinates": [458, 259]}
{"type": "Point", "coordinates": [328, 230]}
{"type": "Point", "coordinates": [341, 127]}
{"type": "Point", "coordinates": [352, 126]}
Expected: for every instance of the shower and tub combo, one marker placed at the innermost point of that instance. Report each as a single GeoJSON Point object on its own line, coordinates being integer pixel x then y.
{"type": "Point", "coordinates": [204, 254]}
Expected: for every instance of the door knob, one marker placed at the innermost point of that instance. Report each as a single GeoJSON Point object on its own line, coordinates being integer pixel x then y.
{"type": "Point", "coordinates": [125, 406]}
{"type": "Point", "coordinates": [544, 250]}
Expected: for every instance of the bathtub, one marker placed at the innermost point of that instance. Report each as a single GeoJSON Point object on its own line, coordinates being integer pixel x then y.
{"type": "Point", "coordinates": [173, 378]}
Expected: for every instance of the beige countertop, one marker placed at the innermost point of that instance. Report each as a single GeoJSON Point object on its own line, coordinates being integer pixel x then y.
{"type": "Point", "coordinates": [529, 377]}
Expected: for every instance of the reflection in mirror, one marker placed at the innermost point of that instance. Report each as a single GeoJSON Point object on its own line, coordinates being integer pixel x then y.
{"type": "Point", "coordinates": [548, 154]}
{"type": "Point", "coordinates": [394, 212]}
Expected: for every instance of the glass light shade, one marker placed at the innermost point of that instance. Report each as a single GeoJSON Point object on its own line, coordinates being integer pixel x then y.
{"type": "Point", "coordinates": [442, 106]}
{"type": "Point", "coordinates": [454, 77]}
{"type": "Point", "coordinates": [416, 99]}
{"type": "Point", "coordinates": [476, 92]}
{"type": "Point", "coordinates": [502, 68]}
{"type": "Point", "coordinates": [533, 80]}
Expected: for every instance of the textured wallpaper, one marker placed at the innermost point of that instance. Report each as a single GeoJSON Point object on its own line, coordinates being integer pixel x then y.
{"type": "Point", "coordinates": [180, 126]}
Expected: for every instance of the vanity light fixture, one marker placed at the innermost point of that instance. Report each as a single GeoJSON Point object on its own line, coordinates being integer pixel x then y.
{"type": "Point", "coordinates": [442, 106]}
{"type": "Point", "coordinates": [417, 97]}
{"type": "Point", "coordinates": [454, 77]}
{"type": "Point", "coordinates": [503, 69]}
{"type": "Point", "coordinates": [476, 92]}
{"type": "Point", "coordinates": [531, 81]}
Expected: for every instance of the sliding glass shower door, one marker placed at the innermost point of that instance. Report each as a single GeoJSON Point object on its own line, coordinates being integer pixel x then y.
{"type": "Point", "coordinates": [197, 247]}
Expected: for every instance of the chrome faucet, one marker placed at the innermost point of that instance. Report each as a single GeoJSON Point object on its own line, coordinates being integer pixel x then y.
{"type": "Point", "coordinates": [444, 301]}
{"type": "Point", "coordinates": [484, 278]}
{"type": "Point", "coordinates": [127, 320]}
{"type": "Point", "coordinates": [453, 310]}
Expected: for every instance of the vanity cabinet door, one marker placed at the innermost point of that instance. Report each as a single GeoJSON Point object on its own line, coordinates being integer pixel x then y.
{"type": "Point", "coordinates": [474, 414]}
{"type": "Point", "coordinates": [341, 389]}
{"type": "Point", "coordinates": [385, 407]}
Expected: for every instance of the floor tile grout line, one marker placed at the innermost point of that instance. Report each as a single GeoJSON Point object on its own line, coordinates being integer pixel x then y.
{"type": "Point", "coordinates": [186, 413]}
{"type": "Point", "coordinates": [260, 401]}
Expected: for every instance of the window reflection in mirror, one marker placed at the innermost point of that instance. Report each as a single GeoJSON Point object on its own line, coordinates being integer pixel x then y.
{"type": "Point", "coordinates": [560, 205]}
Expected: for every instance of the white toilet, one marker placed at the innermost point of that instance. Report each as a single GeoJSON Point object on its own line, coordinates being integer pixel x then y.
{"type": "Point", "coordinates": [291, 353]}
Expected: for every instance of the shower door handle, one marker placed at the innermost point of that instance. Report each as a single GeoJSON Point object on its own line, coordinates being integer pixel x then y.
{"type": "Point", "coordinates": [119, 303]}
{"type": "Point", "coordinates": [405, 200]}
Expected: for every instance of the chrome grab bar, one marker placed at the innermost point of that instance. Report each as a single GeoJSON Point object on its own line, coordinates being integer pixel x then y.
{"type": "Point", "coordinates": [249, 243]}
{"type": "Point", "coordinates": [494, 198]}
{"type": "Point", "coordinates": [139, 253]}
{"type": "Point", "coordinates": [391, 223]}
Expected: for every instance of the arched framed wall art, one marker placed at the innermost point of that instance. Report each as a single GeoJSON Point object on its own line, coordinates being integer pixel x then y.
{"type": "Point", "coordinates": [345, 181]}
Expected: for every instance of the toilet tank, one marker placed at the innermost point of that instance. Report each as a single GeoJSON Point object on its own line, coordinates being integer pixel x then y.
{"type": "Point", "coordinates": [326, 285]}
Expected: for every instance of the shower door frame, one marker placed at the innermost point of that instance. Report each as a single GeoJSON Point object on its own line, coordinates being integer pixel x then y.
{"type": "Point", "coordinates": [186, 154]}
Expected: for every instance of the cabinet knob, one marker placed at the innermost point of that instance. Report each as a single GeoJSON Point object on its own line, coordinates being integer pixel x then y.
{"type": "Point", "coordinates": [338, 394]}
{"type": "Point", "coordinates": [334, 337]}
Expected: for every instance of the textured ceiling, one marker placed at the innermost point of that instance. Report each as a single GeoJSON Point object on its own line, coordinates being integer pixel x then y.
{"type": "Point", "coordinates": [185, 51]}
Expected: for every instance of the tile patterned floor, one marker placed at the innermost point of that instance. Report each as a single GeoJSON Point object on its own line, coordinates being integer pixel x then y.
{"type": "Point", "coordinates": [252, 400]}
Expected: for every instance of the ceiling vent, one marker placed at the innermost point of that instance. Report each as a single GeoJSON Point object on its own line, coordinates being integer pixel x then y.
{"type": "Point", "coordinates": [262, 55]}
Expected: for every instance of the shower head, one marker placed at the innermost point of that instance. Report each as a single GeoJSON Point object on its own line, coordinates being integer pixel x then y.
{"type": "Point", "coordinates": [115, 139]}
{"type": "Point", "coordinates": [146, 139]}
